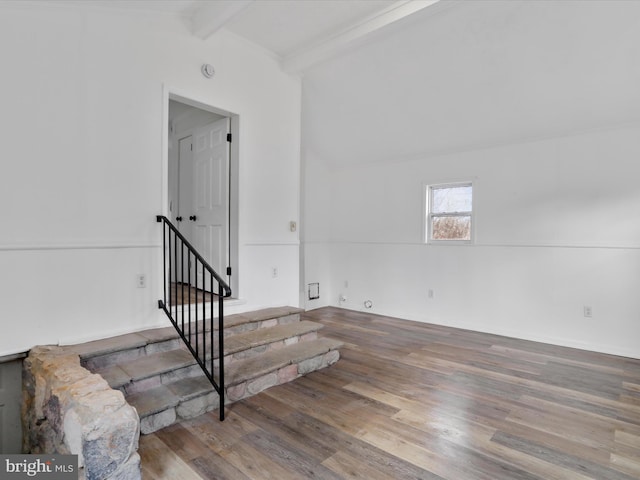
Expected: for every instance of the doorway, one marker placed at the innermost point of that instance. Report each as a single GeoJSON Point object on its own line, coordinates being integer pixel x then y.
{"type": "Point", "coordinates": [202, 182]}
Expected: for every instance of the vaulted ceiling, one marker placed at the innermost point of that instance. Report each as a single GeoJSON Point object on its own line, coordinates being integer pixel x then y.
{"type": "Point", "coordinates": [476, 75]}
{"type": "Point", "coordinates": [300, 33]}
{"type": "Point", "coordinates": [398, 79]}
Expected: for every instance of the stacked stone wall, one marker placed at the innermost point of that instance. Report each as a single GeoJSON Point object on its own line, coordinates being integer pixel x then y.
{"type": "Point", "coordinates": [68, 410]}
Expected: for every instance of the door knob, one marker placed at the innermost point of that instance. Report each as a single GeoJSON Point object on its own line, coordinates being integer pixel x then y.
{"type": "Point", "coordinates": [178, 219]}
{"type": "Point", "coordinates": [193, 218]}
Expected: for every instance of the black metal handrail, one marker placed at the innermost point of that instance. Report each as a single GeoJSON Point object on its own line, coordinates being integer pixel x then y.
{"type": "Point", "coordinates": [183, 268]}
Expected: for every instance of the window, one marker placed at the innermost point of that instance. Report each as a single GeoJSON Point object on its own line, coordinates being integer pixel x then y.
{"type": "Point", "coordinates": [449, 212]}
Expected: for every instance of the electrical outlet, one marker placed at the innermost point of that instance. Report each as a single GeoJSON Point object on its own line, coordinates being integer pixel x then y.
{"type": "Point", "coordinates": [430, 293]}
{"type": "Point", "coordinates": [588, 312]}
{"type": "Point", "coordinates": [274, 272]}
{"type": "Point", "coordinates": [141, 280]}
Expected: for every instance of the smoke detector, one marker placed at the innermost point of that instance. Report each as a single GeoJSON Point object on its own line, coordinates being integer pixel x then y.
{"type": "Point", "coordinates": [208, 70]}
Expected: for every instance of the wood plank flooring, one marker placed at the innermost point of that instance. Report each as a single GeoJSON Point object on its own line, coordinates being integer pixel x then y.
{"type": "Point", "coordinates": [183, 293]}
{"type": "Point", "coordinates": [414, 401]}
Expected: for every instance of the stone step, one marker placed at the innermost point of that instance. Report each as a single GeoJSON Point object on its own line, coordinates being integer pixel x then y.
{"type": "Point", "coordinates": [123, 348]}
{"type": "Point", "coordinates": [255, 342]}
{"type": "Point", "coordinates": [243, 342]}
{"type": "Point", "coordinates": [300, 354]}
{"type": "Point", "coordinates": [181, 399]}
{"type": "Point", "coordinates": [148, 371]}
{"type": "Point", "coordinates": [161, 379]}
{"type": "Point", "coordinates": [243, 322]}
{"type": "Point", "coordinates": [167, 396]}
{"type": "Point", "coordinates": [265, 318]}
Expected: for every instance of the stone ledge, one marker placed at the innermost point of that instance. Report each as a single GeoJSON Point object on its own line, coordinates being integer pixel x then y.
{"type": "Point", "coordinates": [189, 388]}
{"type": "Point", "coordinates": [145, 340]}
{"type": "Point", "coordinates": [105, 346]}
{"type": "Point", "coordinates": [247, 344]}
{"type": "Point", "coordinates": [69, 410]}
{"type": "Point", "coordinates": [256, 338]}
{"type": "Point", "coordinates": [153, 400]}
{"type": "Point", "coordinates": [268, 313]}
{"type": "Point", "coordinates": [243, 370]}
{"type": "Point", "coordinates": [145, 367]}
{"type": "Point", "coordinates": [245, 322]}
{"type": "Point", "coordinates": [255, 385]}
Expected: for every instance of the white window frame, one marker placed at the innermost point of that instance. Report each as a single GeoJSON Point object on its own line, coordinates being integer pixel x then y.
{"type": "Point", "coordinates": [428, 215]}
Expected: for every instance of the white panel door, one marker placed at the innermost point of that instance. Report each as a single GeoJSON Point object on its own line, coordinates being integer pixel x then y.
{"type": "Point", "coordinates": [184, 206]}
{"type": "Point", "coordinates": [211, 196]}
{"type": "Point", "coordinates": [185, 187]}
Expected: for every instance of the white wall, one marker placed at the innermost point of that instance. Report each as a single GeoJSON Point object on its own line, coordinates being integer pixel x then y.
{"type": "Point", "coordinates": [556, 229]}
{"type": "Point", "coordinates": [537, 103]}
{"type": "Point", "coordinates": [316, 230]}
{"type": "Point", "coordinates": [82, 166]}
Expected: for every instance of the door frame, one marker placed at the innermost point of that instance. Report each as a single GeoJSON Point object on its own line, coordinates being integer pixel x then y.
{"type": "Point", "coordinates": [169, 93]}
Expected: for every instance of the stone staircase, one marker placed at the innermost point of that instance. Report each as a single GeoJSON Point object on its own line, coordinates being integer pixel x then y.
{"type": "Point", "coordinates": [161, 379]}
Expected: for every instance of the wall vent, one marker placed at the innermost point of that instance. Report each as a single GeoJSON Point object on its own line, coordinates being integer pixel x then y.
{"type": "Point", "coordinates": [314, 291]}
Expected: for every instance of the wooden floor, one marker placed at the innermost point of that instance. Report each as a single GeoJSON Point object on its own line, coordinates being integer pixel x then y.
{"type": "Point", "coordinates": [415, 401]}
{"type": "Point", "coordinates": [182, 293]}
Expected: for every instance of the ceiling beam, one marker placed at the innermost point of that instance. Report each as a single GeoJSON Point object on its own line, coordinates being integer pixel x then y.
{"type": "Point", "coordinates": [353, 34]}
{"type": "Point", "coordinates": [212, 16]}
